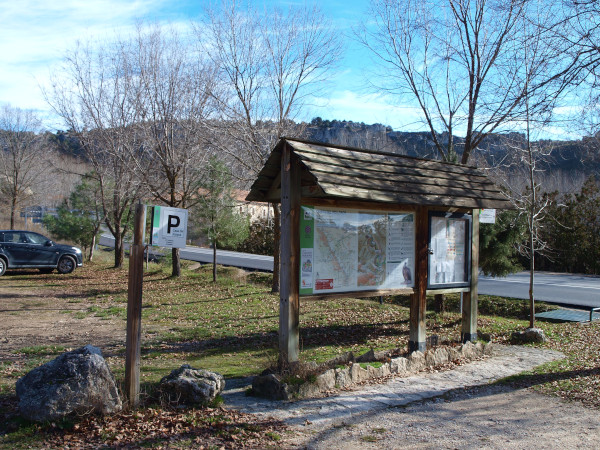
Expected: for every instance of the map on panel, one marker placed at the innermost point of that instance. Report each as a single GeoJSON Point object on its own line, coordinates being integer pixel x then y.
{"type": "Point", "coordinates": [372, 239]}
{"type": "Point", "coordinates": [344, 250]}
{"type": "Point", "coordinates": [335, 249]}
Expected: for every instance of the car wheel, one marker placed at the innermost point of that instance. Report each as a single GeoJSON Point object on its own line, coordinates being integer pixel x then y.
{"type": "Point", "coordinates": [46, 270]}
{"type": "Point", "coordinates": [66, 265]}
{"type": "Point", "coordinates": [2, 266]}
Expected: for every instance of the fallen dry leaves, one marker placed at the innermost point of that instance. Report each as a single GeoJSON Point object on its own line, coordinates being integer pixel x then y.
{"type": "Point", "coordinates": [160, 428]}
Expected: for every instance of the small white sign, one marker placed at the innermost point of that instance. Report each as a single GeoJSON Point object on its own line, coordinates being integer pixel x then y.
{"type": "Point", "coordinates": [487, 216]}
{"type": "Point", "coordinates": [169, 227]}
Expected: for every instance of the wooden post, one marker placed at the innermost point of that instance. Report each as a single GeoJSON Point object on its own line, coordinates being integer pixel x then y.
{"type": "Point", "coordinates": [469, 315]}
{"type": "Point", "coordinates": [289, 301]}
{"type": "Point", "coordinates": [418, 300]}
{"type": "Point", "coordinates": [134, 310]}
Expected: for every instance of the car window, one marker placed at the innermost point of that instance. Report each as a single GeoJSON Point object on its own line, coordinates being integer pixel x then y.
{"type": "Point", "coordinates": [12, 237]}
{"type": "Point", "coordinates": [35, 238]}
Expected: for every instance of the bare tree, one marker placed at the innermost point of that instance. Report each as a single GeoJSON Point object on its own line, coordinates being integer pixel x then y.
{"type": "Point", "coordinates": [270, 62]}
{"type": "Point", "coordinates": [174, 90]}
{"type": "Point", "coordinates": [454, 59]}
{"type": "Point", "coordinates": [527, 157]}
{"type": "Point", "coordinates": [23, 167]}
{"type": "Point", "coordinates": [93, 95]}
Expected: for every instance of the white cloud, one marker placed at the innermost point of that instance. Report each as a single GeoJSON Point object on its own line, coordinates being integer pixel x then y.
{"type": "Point", "coordinates": [35, 34]}
{"type": "Point", "coordinates": [368, 108]}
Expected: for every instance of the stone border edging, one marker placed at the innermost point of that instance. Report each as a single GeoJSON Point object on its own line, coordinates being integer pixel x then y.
{"type": "Point", "coordinates": [271, 386]}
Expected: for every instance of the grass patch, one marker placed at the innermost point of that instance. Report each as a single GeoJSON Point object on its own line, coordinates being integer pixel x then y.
{"type": "Point", "coordinates": [375, 364]}
{"type": "Point", "coordinates": [42, 350]}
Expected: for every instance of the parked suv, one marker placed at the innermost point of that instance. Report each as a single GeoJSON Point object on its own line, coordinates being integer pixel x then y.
{"type": "Point", "coordinates": [26, 249]}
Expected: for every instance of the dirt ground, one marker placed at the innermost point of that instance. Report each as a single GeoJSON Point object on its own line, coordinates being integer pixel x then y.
{"type": "Point", "coordinates": [32, 317]}
{"type": "Point", "coordinates": [488, 417]}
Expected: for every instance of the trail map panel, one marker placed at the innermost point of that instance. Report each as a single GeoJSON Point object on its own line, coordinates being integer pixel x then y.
{"type": "Point", "coordinates": [449, 251]}
{"type": "Point", "coordinates": [344, 250]}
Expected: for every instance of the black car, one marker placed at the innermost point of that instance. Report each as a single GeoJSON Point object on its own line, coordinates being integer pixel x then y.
{"type": "Point", "coordinates": [26, 249]}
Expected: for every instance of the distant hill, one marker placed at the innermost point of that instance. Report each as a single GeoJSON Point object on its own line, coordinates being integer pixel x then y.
{"type": "Point", "coordinates": [569, 162]}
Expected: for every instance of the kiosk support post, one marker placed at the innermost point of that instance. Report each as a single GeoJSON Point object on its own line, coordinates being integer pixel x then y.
{"type": "Point", "coordinates": [418, 300]}
{"type": "Point", "coordinates": [134, 310]}
{"type": "Point", "coordinates": [289, 300]}
{"type": "Point", "coordinates": [469, 312]}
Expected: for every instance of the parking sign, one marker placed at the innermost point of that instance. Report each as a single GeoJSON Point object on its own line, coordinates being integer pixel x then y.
{"type": "Point", "coordinates": [169, 227]}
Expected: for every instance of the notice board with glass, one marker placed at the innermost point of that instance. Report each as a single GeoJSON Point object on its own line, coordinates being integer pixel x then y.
{"type": "Point", "coordinates": [349, 250]}
{"type": "Point", "coordinates": [449, 250]}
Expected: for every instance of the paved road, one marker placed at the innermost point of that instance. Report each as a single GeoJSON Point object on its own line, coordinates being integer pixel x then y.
{"type": "Point", "coordinates": [205, 255]}
{"type": "Point", "coordinates": [559, 288]}
{"type": "Point", "coordinates": [565, 289]}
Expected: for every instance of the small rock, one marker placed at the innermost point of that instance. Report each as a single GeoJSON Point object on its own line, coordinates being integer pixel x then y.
{"type": "Point", "coordinates": [366, 357]}
{"type": "Point", "coordinates": [468, 350]}
{"type": "Point", "coordinates": [441, 356]}
{"type": "Point", "coordinates": [416, 361]}
{"type": "Point", "coordinates": [358, 374]}
{"type": "Point", "coordinates": [342, 359]}
{"type": "Point", "coordinates": [326, 380]}
{"type": "Point", "coordinates": [308, 390]}
{"type": "Point", "coordinates": [530, 335]}
{"type": "Point", "coordinates": [399, 365]}
{"type": "Point", "coordinates": [342, 377]}
{"type": "Point", "coordinates": [271, 387]}
{"type": "Point", "coordinates": [484, 337]}
{"type": "Point", "coordinates": [192, 386]}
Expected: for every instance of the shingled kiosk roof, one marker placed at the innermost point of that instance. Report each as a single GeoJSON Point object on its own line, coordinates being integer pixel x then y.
{"type": "Point", "coordinates": [331, 171]}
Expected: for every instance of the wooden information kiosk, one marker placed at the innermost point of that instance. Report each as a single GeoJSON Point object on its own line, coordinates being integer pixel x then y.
{"type": "Point", "coordinates": [360, 223]}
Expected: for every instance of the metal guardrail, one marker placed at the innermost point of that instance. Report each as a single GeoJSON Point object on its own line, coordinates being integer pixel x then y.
{"type": "Point", "coordinates": [592, 311]}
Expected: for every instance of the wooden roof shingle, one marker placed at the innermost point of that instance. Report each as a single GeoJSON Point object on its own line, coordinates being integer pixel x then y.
{"type": "Point", "coordinates": [330, 171]}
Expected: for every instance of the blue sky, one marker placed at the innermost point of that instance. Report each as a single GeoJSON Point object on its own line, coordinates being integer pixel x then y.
{"type": "Point", "coordinates": [34, 35]}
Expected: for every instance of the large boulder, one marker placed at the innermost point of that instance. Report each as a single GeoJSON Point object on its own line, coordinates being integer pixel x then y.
{"type": "Point", "coordinates": [192, 386]}
{"type": "Point", "coordinates": [75, 383]}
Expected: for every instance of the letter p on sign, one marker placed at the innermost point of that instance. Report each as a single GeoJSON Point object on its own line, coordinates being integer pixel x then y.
{"type": "Point", "coordinates": [169, 227]}
{"type": "Point", "coordinates": [172, 222]}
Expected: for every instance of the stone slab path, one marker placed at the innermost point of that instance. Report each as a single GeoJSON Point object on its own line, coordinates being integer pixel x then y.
{"type": "Point", "coordinates": [399, 391]}
{"type": "Point", "coordinates": [453, 409]}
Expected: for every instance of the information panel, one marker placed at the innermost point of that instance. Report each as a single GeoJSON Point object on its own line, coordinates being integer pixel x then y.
{"type": "Point", "coordinates": [449, 244]}
{"type": "Point", "coordinates": [345, 250]}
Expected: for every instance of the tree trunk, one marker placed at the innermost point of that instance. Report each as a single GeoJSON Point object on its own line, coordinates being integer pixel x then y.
{"type": "Point", "coordinates": [276, 242]}
{"type": "Point", "coordinates": [531, 280]}
{"type": "Point", "coordinates": [119, 250]}
{"type": "Point", "coordinates": [13, 209]}
{"type": "Point", "coordinates": [92, 245]}
{"type": "Point", "coordinates": [440, 303]}
{"type": "Point", "coordinates": [214, 260]}
{"type": "Point", "coordinates": [176, 272]}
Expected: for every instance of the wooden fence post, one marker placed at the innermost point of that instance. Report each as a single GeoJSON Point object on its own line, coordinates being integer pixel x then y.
{"type": "Point", "coordinates": [134, 310]}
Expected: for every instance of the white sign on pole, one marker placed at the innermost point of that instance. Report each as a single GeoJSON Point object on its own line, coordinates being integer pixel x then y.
{"type": "Point", "coordinates": [169, 227]}
{"type": "Point", "coordinates": [487, 216]}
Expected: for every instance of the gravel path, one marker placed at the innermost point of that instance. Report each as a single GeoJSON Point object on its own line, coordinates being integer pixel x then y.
{"type": "Point", "coordinates": [450, 409]}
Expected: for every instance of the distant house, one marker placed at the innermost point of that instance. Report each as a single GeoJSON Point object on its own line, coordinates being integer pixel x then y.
{"type": "Point", "coordinates": [254, 210]}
